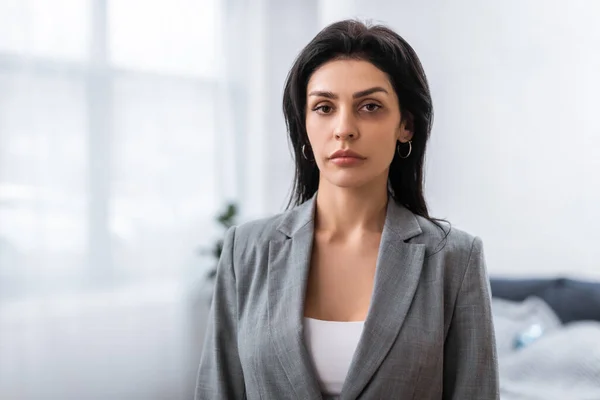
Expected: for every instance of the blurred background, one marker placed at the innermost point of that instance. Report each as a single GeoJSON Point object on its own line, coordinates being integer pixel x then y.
{"type": "Point", "coordinates": [128, 126]}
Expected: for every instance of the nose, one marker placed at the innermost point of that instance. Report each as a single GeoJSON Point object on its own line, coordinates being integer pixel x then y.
{"type": "Point", "coordinates": [345, 135]}
{"type": "Point", "coordinates": [345, 128]}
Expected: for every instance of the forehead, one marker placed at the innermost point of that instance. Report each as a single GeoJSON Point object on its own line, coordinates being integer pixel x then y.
{"type": "Point", "coordinates": [347, 76]}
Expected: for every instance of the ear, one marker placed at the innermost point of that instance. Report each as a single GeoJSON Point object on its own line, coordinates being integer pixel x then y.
{"type": "Point", "coordinates": [405, 130]}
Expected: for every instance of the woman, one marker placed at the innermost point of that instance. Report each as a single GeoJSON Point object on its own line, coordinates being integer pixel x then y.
{"type": "Point", "coordinates": [355, 292]}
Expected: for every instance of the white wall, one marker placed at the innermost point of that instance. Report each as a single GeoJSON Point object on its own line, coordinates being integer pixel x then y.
{"type": "Point", "coordinates": [514, 151]}
{"type": "Point", "coordinates": [279, 29]}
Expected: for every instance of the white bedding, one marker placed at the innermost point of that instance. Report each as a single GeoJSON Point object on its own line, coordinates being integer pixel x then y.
{"type": "Point", "coordinates": [562, 364]}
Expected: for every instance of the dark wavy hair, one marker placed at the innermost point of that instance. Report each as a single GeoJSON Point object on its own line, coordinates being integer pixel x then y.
{"type": "Point", "coordinates": [384, 48]}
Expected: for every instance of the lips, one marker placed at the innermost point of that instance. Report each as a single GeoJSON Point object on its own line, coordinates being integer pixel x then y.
{"type": "Point", "coordinates": [346, 154]}
{"type": "Point", "coordinates": [346, 158]}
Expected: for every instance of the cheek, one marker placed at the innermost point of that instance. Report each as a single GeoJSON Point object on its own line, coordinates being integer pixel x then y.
{"type": "Point", "coordinates": [316, 130]}
{"type": "Point", "coordinates": [386, 151]}
{"type": "Point", "coordinates": [382, 138]}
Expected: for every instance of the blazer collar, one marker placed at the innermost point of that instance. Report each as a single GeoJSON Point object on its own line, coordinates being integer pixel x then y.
{"type": "Point", "coordinates": [398, 219]}
{"type": "Point", "coordinates": [398, 269]}
{"type": "Point", "coordinates": [298, 217]}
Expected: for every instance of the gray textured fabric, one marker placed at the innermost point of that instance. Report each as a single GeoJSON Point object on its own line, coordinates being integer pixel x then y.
{"type": "Point", "coordinates": [428, 333]}
{"type": "Point", "coordinates": [563, 364]}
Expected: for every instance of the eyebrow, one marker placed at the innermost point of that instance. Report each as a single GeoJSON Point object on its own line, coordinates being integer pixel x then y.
{"type": "Point", "coordinates": [362, 93]}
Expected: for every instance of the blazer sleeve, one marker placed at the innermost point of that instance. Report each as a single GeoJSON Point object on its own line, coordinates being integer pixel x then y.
{"type": "Point", "coordinates": [470, 358]}
{"type": "Point", "coordinates": [220, 373]}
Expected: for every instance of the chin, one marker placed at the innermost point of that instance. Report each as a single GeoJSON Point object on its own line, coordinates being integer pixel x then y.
{"type": "Point", "coordinates": [355, 177]}
{"type": "Point", "coordinates": [348, 180]}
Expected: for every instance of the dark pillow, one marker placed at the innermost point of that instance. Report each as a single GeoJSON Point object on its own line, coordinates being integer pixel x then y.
{"type": "Point", "coordinates": [572, 300]}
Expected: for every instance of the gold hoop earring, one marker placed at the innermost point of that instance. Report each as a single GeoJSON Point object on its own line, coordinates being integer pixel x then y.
{"type": "Point", "coordinates": [409, 149]}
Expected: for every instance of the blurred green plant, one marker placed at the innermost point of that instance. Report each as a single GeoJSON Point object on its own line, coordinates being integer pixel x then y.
{"type": "Point", "coordinates": [226, 219]}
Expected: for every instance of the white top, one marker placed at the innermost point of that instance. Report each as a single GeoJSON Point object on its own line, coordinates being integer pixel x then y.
{"type": "Point", "coordinates": [331, 345]}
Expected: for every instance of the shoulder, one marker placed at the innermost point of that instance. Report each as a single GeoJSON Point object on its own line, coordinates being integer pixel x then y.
{"type": "Point", "coordinates": [258, 230]}
{"type": "Point", "coordinates": [453, 256]}
{"type": "Point", "coordinates": [442, 236]}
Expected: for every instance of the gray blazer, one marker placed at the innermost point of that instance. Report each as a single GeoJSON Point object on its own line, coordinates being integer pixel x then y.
{"type": "Point", "coordinates": [428, 332]}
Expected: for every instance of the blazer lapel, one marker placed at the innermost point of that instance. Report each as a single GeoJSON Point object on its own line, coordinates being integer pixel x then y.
{"type": "Point", "coordinates": [289, 262]}
{"type": "Point", "coordinates": [397, 275]}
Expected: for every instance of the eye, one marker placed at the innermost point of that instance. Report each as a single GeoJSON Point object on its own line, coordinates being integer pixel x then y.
{"type": "Point", "coordinates": [371, 107]}
{"type": "Point", "coordinates": [323, 109]}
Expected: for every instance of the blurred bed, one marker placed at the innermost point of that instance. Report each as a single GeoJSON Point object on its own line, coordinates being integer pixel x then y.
{"type": "Point", "coordinates": [548, 338]}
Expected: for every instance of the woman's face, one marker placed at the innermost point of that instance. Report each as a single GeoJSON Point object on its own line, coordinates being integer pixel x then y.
{"type": "Point", "coordinates": [352, 107]}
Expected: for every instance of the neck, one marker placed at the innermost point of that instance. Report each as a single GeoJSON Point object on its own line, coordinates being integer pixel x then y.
{"type": "Point", "coordinates": [343, 211]}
